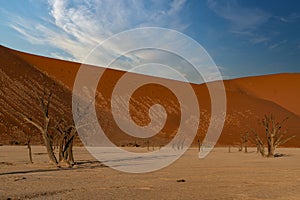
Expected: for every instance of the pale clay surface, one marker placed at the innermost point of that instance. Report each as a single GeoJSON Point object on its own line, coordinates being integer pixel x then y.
{"type": "Point", "coordinates": [221, 175]}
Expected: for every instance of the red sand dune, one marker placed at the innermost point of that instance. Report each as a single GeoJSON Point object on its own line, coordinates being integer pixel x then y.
{"type": "Point", "coordinates": [248, 99]}
{"type": "Point", "coordinates": [20, 84]}
{"type": "Point", "coordinates": [282, 89]}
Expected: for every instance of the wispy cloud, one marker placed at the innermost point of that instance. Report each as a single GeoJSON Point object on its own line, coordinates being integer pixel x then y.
{"type": "Point", "coordinates": [241, 18]}
{"type": "Point", "coordinates": [243, 21]}
{"type": "Point", "coordinates": [291, 18]}
{"type": "Point", "coordinates": [278, 44]}
{"type": "Point", "coordinates": [76, 27]}
{"type": "Point", "coordinates": [259, 39]}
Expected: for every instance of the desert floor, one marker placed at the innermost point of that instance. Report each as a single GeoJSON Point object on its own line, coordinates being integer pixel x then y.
{"type": "Point", "coordinates": [221, 175]}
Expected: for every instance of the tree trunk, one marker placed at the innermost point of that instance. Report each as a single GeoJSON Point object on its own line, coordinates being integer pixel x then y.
{"type": "Point", "coordinates": [29, 152]}
{"type": "Point", "coordinates": [271, 147]}
{"type": "Point", "coordinates": [47, 142]}
{"type": "Point", "coordinates": [49, 149]}
{"type": "Point", "coordinates": [271, 150]}
{"type": "Point", "coordinates": [60, 151]}
{"type": "Point", "coordinates": [70, 153]}
{"type": "Point", "coordinates": [148, 145]}
{"type": "Point", "coordinates": [262, 150]}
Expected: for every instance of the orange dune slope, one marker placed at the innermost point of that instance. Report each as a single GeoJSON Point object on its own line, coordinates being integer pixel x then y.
{"type": "Point", "coordinates": [282, 89]}
{"type": "Point", "coordinates": [248, 99]}
{"type": "Point", "coordinates": [20, 84]}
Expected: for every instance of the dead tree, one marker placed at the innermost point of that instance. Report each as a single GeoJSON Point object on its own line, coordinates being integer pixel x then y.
{"type": "Point", "coordinates": [43, 125]}
{"type": "Point", "coordinates": [148, 145]}
{"type": "Point", "coordinates": [29, 148]}
{"type": "Point", "coordinates": [244, 142]}
{"type": "Point", "coordinates": [17, 134]}
{"type": "Point", "coordinates": [67, 132]}
{"type": "Point", "coordinates": [179, 144]}
{"type": "Point", "coordinates": [199, 144]}
{"type": "Point", "coordinates": [65, 142]}
{"type": "Point", "coordinates": [44, 103]}
{"type": "Point", "coordinates": [258, 142]}
{"type": "Point", "coordinates": [274, 136]}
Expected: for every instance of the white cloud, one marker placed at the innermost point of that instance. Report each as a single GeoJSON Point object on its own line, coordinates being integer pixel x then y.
{"type": "Point", "coordinates": [245, 22]}
{"type": "Point", "coordinates": [254, 38]}
{"type": "Point", "coordinates": [32, 39]}
{"type": "Point", "coordinates": [76, 27]}
{"type": "Point", "coordinates": [176, 6]}
{"type": "Point", "coordinates": [293, 17]}
{"type": "Point", "coordinates": [278, 44]}
{"type": "Point", "coordinates": [259, 39]}
{"type": "Point", "coordinates": [241, 18]}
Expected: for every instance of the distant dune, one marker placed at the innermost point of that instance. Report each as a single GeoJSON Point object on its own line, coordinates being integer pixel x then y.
{"type": "Point", "coordinates": [248, 99]}
{"type": "Point", "coordinates": [282, 89]}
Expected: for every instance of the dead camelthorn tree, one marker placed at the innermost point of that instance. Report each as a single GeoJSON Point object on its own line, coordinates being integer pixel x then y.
{"type": "Point", "coordinates": [199, 144]}
{"type": "Point", "coordinates": [65, 140]}
{"type": "Point", "coordinates": [148, 145]}
{"type": "Point", "coordinates": [42, 124]}
{"type": "Point", "coordinates": [44, 102]}
{"type": "Point", "coordinates": [17, 134]}
{"type": "Point", "coordinates": [244, 142]}
{"type": "Point", "coordinates": [259, 143]}
{"type": "Point", "coordinates": [274, 136]}
{"type": "Point", "coordinates": [67, 132]}
{"type": "Point", "coordinates": [28, 140]}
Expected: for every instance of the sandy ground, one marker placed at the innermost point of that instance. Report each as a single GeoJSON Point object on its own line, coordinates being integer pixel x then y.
{"type": "Point", "coordinates": [221, 175]}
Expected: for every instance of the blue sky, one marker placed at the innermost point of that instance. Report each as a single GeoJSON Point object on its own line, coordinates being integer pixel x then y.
{"type": "Point", "coordinates": [243, 38]}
